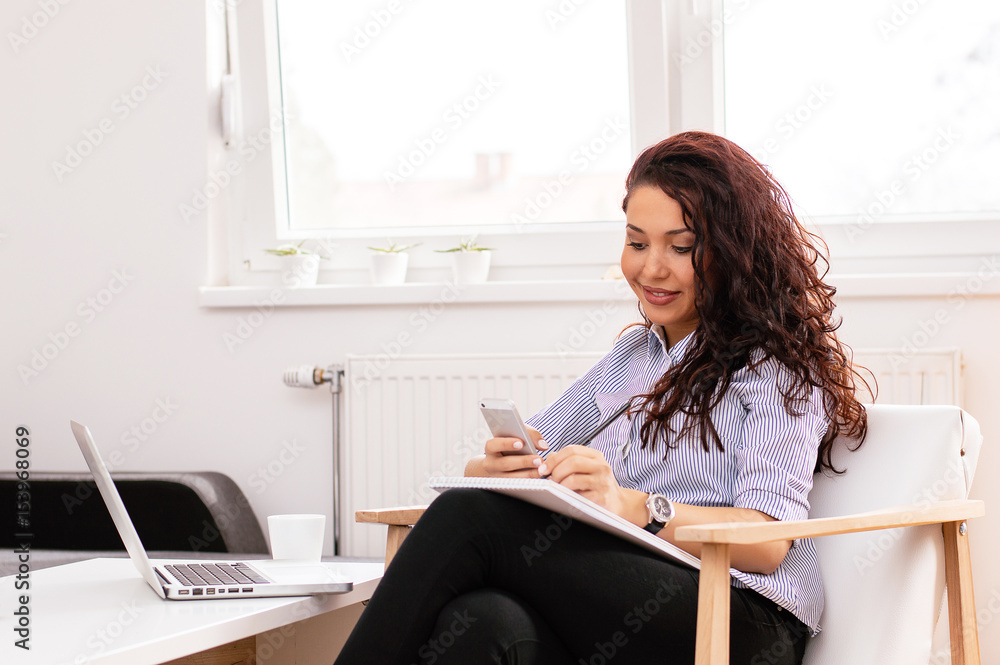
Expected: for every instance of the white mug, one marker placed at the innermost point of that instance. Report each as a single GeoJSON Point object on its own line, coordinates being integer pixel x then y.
{"type": "Point", "coordinates": [296, 537]}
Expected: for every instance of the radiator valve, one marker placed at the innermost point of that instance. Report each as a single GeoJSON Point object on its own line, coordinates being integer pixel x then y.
{"type": "Point", "coordinates": [307, 376]}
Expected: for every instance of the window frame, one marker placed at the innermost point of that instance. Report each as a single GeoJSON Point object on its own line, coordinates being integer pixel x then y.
{"type": "Point", "coordinates": [666, 96]}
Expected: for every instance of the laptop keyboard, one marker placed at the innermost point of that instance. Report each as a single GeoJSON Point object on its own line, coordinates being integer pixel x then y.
{"type": "Point", "coordinates": [214, 574]}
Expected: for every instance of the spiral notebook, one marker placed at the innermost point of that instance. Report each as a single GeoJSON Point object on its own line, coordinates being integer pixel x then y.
{"type": "Point", "coordinates": [552, 496]}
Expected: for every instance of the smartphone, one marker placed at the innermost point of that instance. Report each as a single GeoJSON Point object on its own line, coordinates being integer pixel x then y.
{"type": "Point", "coordinates": [503, 420]}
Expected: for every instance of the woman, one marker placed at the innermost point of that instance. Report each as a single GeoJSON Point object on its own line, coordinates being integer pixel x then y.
{"type": "Point", "coordinates": [732, 392]}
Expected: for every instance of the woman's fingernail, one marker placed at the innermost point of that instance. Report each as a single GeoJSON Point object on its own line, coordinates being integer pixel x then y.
{"type": "Point", "coordinates": [518, 445]}
{"type": "Point", "coordinates": [543, 470]}
{"type": "Point", "coordinates": [542, 443]}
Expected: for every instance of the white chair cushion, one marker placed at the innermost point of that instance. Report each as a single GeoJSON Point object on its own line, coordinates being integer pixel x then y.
{"type": "Point", "coordinates": [884, 588]}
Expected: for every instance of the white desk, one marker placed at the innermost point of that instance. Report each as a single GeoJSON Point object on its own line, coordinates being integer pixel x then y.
{"type": "Point", "coordinates": [101, 612]}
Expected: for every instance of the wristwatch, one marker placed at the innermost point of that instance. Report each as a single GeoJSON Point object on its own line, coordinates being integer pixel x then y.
{"type": "Point", "coordinates": [661, 511]}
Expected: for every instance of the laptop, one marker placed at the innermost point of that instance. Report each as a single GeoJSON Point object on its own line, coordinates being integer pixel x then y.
{"type": "Point", "coordinates": [205, 579]}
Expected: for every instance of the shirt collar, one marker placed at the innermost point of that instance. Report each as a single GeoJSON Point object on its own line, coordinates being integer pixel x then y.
{"type": "Point", "coordinates": [678, 350]}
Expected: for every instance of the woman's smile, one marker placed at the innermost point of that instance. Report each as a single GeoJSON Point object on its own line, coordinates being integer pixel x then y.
{"type": "Point", "coordinates": [660, 297]}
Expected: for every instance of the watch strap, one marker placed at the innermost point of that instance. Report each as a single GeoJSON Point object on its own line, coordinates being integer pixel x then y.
{"type": "Point", "coordinates": [654, 527]}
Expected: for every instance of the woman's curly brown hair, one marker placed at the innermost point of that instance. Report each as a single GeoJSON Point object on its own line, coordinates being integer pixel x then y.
{"type": "Point", "coordinates": [759, 278]}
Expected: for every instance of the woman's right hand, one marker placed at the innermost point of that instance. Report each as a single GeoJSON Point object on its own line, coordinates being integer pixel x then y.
{"type": "Point", "coordinates": [497, 464]}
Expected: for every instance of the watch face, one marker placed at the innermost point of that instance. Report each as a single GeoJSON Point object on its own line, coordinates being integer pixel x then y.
{"type": "Point", "coordinates": [660, 507]}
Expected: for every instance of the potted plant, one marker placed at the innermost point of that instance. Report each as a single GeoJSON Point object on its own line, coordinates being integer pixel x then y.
{"type": "Point", "coordinates": [302, 265]}
{"type": "Point", "coordinates": [470, 262]}
{"type": "Point", "coordinates": [389, 263]}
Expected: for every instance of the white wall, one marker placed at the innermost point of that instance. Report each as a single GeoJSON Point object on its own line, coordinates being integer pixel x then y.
{"type": "Point", "coordinates": [63, 242]}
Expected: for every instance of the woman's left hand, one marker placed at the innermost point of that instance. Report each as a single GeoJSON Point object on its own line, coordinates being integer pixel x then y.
{"type": "Point", "coordinates": [585, 471]}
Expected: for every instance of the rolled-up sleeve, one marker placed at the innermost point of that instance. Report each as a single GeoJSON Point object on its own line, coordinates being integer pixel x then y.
{"type": "Point", "coordinates": [775, 455]}
{"type": "Point", "coordinates": [568, 419]}
{"type": "Point", "coordinates": [577, 411]}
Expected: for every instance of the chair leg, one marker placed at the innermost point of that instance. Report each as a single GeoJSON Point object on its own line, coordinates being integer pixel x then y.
{"type": "Point", "coordinates": [712, 645]}
{"type": "Point", "coordinates": [393, 539]}
{"type": "Point", "coordinates": [961, 599]}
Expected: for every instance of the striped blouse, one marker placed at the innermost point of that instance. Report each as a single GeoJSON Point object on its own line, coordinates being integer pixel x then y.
{"type": "Point", "coordinates": [767, 464]}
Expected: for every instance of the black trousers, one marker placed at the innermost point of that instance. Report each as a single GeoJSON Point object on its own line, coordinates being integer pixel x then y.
{"type": "Point", "coordinates": [484, 578]}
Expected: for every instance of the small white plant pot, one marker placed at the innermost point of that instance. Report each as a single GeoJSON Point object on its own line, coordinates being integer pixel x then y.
{"type": "Point", "coordinates": [389, 267]}
{"type": "Point", "coordinates": [301, 270]}
{"type": "Point", "coordinates": [471, 267]}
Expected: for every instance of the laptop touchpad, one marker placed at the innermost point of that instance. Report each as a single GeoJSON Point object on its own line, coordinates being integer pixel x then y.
{"type": "Point", "coordinates": [298, 572]}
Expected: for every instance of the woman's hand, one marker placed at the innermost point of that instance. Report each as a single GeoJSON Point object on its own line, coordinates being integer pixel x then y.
{"type": "Point", "coordinates": [498, 464]}
{"type": "Point", "coordinates": [585, 471]}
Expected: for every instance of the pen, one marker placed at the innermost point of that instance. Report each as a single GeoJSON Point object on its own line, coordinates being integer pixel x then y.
{"type": "Point", "coordinates": [603, 426]}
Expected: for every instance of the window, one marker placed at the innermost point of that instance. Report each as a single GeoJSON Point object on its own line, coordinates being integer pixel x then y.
{"type": "Point", "coordinates": [415, 120]}
{"type": "Point", "coordinates": [869, 109]}
{"type": "Point", "coordinates": [406, 117]}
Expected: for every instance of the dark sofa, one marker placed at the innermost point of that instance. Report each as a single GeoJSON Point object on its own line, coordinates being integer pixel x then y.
{"type": "Point", "coordinates": [185, 514]}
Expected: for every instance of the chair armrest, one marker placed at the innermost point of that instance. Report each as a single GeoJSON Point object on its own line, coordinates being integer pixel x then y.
{"type": "Point", "coordinates": [399, 516]}
{"type": "Point", "coordinates": [398, 519]}
{"type": "Point", "coordinates": [712, 639]}
{"type": "Point", "coordinates": [889, 518]}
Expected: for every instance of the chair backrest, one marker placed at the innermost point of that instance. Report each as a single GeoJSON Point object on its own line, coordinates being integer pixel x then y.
{"type": "Point", "coordinates": [884, 589]}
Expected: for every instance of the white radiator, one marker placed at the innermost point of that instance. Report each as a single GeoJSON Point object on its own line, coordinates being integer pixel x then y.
{"type": "Point", "coordinates": [409, 418]}
{"type": "Point", "coordinates": [929, 376]}
{"type": "Point", "coordinates": [414, 417]}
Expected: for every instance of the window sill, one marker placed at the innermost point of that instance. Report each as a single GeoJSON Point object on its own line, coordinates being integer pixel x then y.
{"type": "Point", "coordinates": [950, 284]}
{"type": "Point", "coordinates": [415, 293]}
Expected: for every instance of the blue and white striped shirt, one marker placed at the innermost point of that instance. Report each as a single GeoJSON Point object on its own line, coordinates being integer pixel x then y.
{"type": "Point", "coordinates": [767, 464]}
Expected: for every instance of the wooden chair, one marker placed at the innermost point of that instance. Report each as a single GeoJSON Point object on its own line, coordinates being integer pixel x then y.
{"type": "Point", "coordinates": [884, 583]}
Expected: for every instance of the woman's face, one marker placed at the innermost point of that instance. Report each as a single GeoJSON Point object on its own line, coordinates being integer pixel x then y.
{"type": "Point", "coordinates": [656, 261]}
